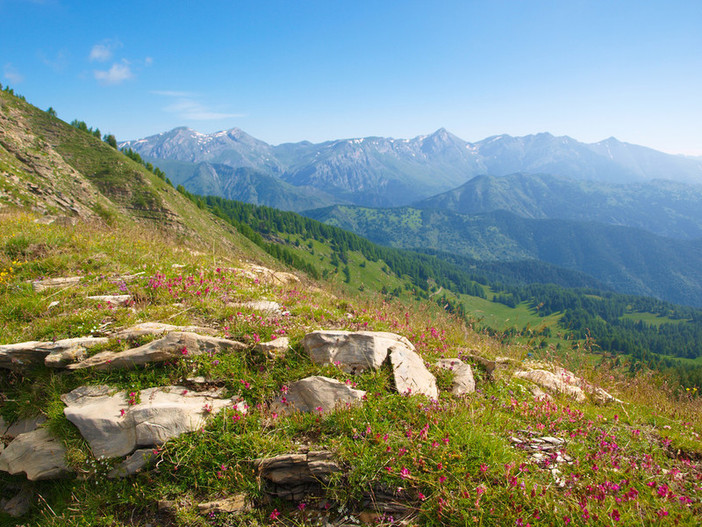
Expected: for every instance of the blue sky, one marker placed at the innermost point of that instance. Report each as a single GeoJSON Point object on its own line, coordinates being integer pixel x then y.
{"type": "Point", "coordinates": [317, 70]}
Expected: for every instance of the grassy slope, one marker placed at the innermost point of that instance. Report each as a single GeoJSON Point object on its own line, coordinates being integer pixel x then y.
{"type": "Point", "coordinates": [450, 462]}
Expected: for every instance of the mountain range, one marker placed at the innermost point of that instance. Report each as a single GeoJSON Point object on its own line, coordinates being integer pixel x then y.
{"type": "Point", "coordinates": [387, 172]}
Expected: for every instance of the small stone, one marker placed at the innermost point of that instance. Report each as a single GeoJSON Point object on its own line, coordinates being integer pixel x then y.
{"type": "Point", "coordinates": [132, 464]}
{"type": "Point", "coordinates": [116, 300]}
{"type": "Point", "coordinates": [20, 503]}
{"type": "Point", "coordinates": [463, 381]}
{"type": "Point", "coordinates": [275, 349]}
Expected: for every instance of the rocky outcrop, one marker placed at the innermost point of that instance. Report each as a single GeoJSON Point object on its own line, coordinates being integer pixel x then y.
{"type": "Point", "coordinates": [353, 352]}
{"type": "Point", "coordinates": [174, 345]}
{"type": "Point", "coordinates": [21, 427]}
{"type": "Point", "coordinates": [463, 381]}
{"type": "Point", "coordinates": [115, 423]}
{"type": "Point", "coordinates": [411, 376]}
{"type": "Point", "coordinates": [316, 394]}
{"type": "Point", "coordinates": [37, 453]}
{"type": "Point", "coordinates": [294, 475]}
{"type": "Point", "coordinates": [21, 355]}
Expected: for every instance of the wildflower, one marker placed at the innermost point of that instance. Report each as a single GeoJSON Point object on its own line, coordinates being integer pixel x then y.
{"type": "Point", "coordinates": [615, 515]}
{"type": "Point", "coordinates": [404, 473]}
{"type": "Point", "coordinates": [274, 514]}
{"type": "Point", "coordinates": [483, 468]}
{"type": "Point", "coordinates": [301, 506]}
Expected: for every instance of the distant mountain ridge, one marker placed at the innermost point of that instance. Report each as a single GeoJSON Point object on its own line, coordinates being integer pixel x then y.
{"type": "Point", "coordinates": [665, 208]}
{"type": "Point", "coordinates": [378, 171]}
{"type": "Point", "coordinates": [626, 259]}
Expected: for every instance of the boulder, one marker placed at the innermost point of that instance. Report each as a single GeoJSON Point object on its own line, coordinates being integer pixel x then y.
{"type": "Point", "coordinates": [463, 381]}
{"type": "Point", "coordinates": [23, 354]}
{"type": "Point", "coordinates": [175, 345]}
{"type": "Point", "coordinates": [37, 453]}
{"type": "Point", "coordinates": [275, 349]}
{"type": "Point", "coordinates": [293, 475]}
{"type": "Point", "coordinates": [270, 276]}
{"type": "Point", "coordinates": [157, 328]}
{"type": "Point", "coordinates": [353, 351]}
{"type": "Point", "coordinates": [317, 394]}
{"type": "Point", "coordinates": [410, 374]}
{"type": "Point", "coordinates": [133, 464]}
{"type": "Point", "coordinates": [114, 427]}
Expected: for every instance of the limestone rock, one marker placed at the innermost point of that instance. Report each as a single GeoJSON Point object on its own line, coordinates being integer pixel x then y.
{"type": "Point", "coordinates": [271, 276]}
{"type": "Point", "coordinates": [231, 505]}
{"type": "Point", "coordinates": [353, 351]}
{"type": "Point", "coordinates": [317, 394]}
{"type": "Point", "coordinates": [23, 354]}
{"type": "Point", "coordinates": [275, 349]}
{"type": "Point", "coordinates": [553, 382]}
{"type": "Point", "coordinates": [157, 328]}
{"type": "Point", "coordinates": [266, 307]}
{"type": "Point", "coordinates": [174, 345]}
{"type": "Point", "coordinates": [61, 359]}
{"type": "Point", "coordinates": [463, 381]}
{"type": "Point", "coordinates": [133, 464]}
{"type": "Point", "coordinates": [113, 427]}
{"type": "Point", "coordinates": [53, 283]}
{"type": "Point", "coordinates": [292, 475]}
{"type": "Point", "coordinates": [115, 300]}
{"type": "Point", "coordinates": [22, 426]}
{"type": "Point", "coordinates": [411, 376]}
{"type": "Point", "coordinates": [38, 454]}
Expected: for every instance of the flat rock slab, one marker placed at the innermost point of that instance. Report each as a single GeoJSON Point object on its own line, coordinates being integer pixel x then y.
{"type": "Point", "coordinates": [463, 381]}
{"type": "Point", "coordinates": [177, 344]}
{"type": "Point", "coordinates": [114, 427]}
{"type": "Point", "coordinates": [275, 349]}
{"type": "Point", "coordinates": [267, 307]}
{"type": "Point", "coordinates": [115, 300]}
{"type": "Point", "coordinates": [37, 453]}
{"type": "Point", "coordinates": [231, 505]}
{"type": "Point", "coordinates": [353, 351]}
{"type": "Point", "coordinates": [317, 394]}
{"type": "Point", "coordinates": [411, 376]}
{"type": "Point", "coordinates": [269, 275]}
{"type": "Point", "coordinates": [54, 283]}
{"type": "Point", "coordinates": [157, 328]}
{"type": "Point", "coordinates": [23, 354]}
{"type": "Point", "coordinates": [21, 427]}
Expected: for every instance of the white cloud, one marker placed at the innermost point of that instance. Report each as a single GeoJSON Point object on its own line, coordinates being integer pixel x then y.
{"type": "Point", "coordinates": [103, 51]}
{"type": "Point", "coordinates": [58, 63]}
{"type": "Point", "coordinates": [148, 61]}
{"type": "Point", "coordinates": [190, 109]}
{"type": "Point", "coordinates": [12, 74]}
{"type": "Point", "coordinates": [118, 73]}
